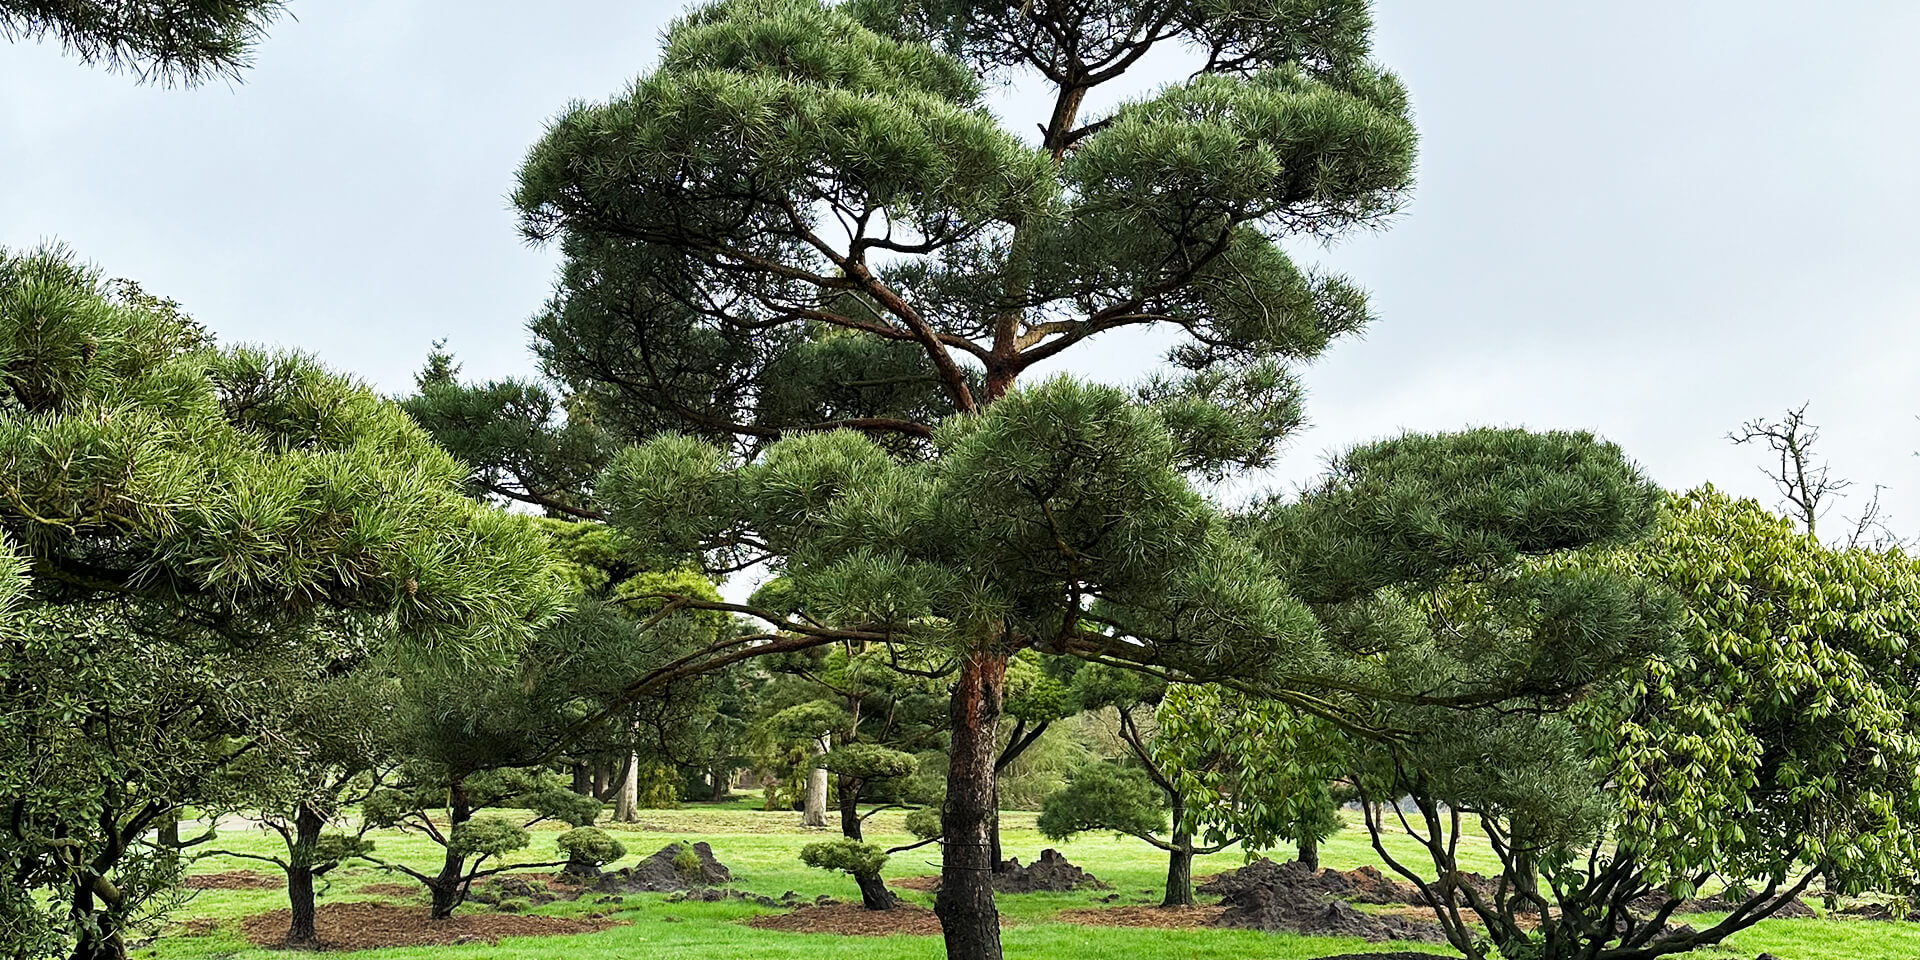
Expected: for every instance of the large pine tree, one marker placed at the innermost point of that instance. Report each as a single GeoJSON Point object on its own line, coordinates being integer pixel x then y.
{"type": "Point", "coordinates": [805, 250]}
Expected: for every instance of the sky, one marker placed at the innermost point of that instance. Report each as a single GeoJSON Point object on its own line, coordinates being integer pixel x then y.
{"type": "Point", "coordinates": [1652, 219]}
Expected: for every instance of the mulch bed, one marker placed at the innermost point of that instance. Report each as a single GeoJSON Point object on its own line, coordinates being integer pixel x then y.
{"type": "Point", "coordinates": [1397, 955]}
{"type": "Point", "coordinates": [922, 884]}
{"type": "Point", "coordinates": [367, 926]}
{"type": "Point", "coordinates": [392, 890]}
{"type": "Point", "coordinates": [234, 880]}
{"type": "Point", "coordinates": [852, 919]}
{"type": "Point", "coordinates": [1191, 917]}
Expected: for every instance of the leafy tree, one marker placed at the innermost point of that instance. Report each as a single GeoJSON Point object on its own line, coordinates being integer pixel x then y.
{"type": "Point", "coordinates": [805, 225]}
{"type": "Point", "coordinates": [588, 849]}
{"type": "Point", "coordinates": [1772, 745]}
{"type": "Point", "coordinates": [1191, 760]}
{"type": "Point", "coordinates": [862, 861]}
{"type": "Point", "coordinates": [323, 759]}
{"type": "Point", "coordinates": [470, 838]}
{"type": "Point", "coordinates": [206, 532]}
{"type": "Point", "coordinates": [174, 40]}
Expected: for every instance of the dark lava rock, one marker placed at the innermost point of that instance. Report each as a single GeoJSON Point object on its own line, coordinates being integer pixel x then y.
{"type": "Point", "coordinates": [1292, 898]}
{"type": "Point", "coordinates": [1052, 873]}
{"type": "Point", "coordinates": [660, 872]}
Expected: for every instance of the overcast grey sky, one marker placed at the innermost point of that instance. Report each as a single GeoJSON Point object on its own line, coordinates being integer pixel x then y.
{"type": "Point", "coordinates": [1650, 219]}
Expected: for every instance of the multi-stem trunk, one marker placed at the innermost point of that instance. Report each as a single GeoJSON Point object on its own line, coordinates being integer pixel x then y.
{"type": "Point", "coordinates": [307, 823]}
{"type": "Point", "coordinates": [99, 930]}
{"type": "Point", "coordinates": [964, 904]}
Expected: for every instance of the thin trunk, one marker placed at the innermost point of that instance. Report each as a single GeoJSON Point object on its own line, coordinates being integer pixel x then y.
{"type": "Point", "coordinates": [874, 894]}
{"type": "Point", "coordinates": [447, 893]}
{"type": "Point", "coordinates": [1309, 852]}
{"type": "Point", "coordinates": [815, 808]}
{"type": "Point", "coordinates": [722, 782]}
{"type": "Point", "coordinates": [850, 808]}
{"type": "Point", "coordinates": [1179, 860]}
{"type": "Point", "coordinates": [170, 830]}
{"type": "Point", "coordinates": [964, 904]}
{"type": "Point", "coordinates": [626, 805]}
{"type": "Point", "coordinates": [582, 779]}
{"type": "Point", "coordinates": [602, 780]}
{"type": "Point", "coordinates": [307, 824]}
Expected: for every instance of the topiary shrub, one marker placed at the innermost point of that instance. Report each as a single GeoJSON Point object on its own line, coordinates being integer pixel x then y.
{"type": "Point", "coordinates": [861, 860]}
{"type": "Point", "coordinates": [588, 849]}
{"type": "Point", "coordinates": [487, 837]}
{"type": "Point", "coordinates": [924, 823]}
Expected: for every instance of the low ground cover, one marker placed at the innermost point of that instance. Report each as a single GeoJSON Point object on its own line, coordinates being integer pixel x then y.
{"type": "Point", "coordinates": [762, 849]}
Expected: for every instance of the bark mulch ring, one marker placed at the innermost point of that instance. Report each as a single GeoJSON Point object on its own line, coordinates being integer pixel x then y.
{"type": "Point", "coordinates": [1191, 917]}
{"type": "Point", "coordinates": [852, 919]}
{"type": "Point", "coordinates": [367, 926]}
{"type": "Point", "coordinates": [408, 890]}
{"type": "Point", "coordinates": [234, 880]}
{"type": "Point", "coordinates": [1396, 955]}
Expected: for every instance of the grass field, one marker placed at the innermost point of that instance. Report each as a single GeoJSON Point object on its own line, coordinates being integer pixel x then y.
{"type": "Point", "coordinates": [762, 850]}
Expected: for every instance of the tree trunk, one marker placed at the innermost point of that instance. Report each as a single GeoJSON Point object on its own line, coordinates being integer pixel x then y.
{"type": "Point", "coordinates": [626, 805]}
{"type": "Point", "coordinates": [169, 835]}
{"type": "Point", "coordinates": [1309, 853]}
{"type": "Point", "coordinates": [307, 824]}
{"type": "Point", "coordinates": [582, 779]}
{"type": "Point", "coordinates": [815, 808]}
{"type": "Point", "coordinates": [602, 780]}
{"type": "Point", "coordinates": [722, 782]}
{"type": "Point", "coordinates": [968, 918]}
{"type": "Point", "coordinates": [447, 893]}
{"type": "Point", "coordinates": [1179, 860]}
{"type": "Point", "coordinates": [100, 937]}
{"type": "Point", "coordinates": [993, 830]}
{"type": "Point", "coordinates": [850, 808]}
{"type": "Point", "coordinates": [874, 894]}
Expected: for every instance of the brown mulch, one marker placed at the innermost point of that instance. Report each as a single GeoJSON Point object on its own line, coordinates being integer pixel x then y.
{"type": "Point", "coordinates": [852, 919]}
{"type": "Point", "coordinates": [1396, 955]}
{"type": "Point", "coordinates": [370, 925]}
{"type": "Point", "coordinates": [392, 889]}
{"type": "Point", "coordinates": [1171, 918]}
{"type": "Point", "coordinates": [234, 880]}
{"type": "Point", "coordinates": [922, 884]}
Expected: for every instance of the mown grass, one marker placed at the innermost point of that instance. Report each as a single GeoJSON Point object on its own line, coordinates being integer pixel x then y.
{"type": "Point", "coordinates": [762, 850]}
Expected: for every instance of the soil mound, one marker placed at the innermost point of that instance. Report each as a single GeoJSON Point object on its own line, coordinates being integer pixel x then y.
{"type": "Point", "coordinates": [675, 866]}
{"type": "Point", "coordinates": [1292, 898]}
{"type": "Point", "coordinates": [367, 926]}
{"type": "Point", "coordinates": [1169, 918]}
{"type": "Point", "coordinates": [234, 880]}
{"type": "Point", "coordinates": [1052, 873]}
{"type": "Point", "coordinates": [852, 920]}
{"type": "Point", "coordinates": [1718, 903]}
{"type": "Point", "coordinates": [532, 888]}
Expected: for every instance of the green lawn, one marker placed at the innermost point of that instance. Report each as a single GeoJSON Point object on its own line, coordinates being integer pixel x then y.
{"type": "Point", "coordinates": [762, 850]}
